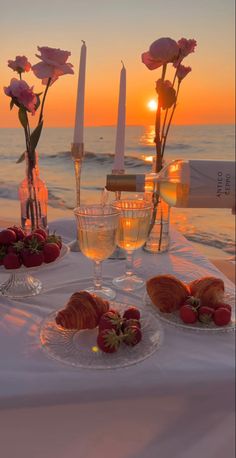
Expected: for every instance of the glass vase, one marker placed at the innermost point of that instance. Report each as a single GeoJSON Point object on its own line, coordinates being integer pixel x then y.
{"type": "Point", "coordinates": [158, 240]}
{"type": "Point", "coordinates": [33, 195]}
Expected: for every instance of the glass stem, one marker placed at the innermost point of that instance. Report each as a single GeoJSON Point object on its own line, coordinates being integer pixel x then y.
{"type": "Point", "coordinates": [129, 264]}
{"type": "Point", "coordinates": [97, 281]}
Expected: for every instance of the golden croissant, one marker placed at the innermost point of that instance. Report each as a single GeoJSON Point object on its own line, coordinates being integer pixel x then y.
{"type": "Point", "coordinates": [82, 311]}
{"type": "Point", "coordinates": [167, 292]}
{"type": "Point", "coordinates": [210, 290]}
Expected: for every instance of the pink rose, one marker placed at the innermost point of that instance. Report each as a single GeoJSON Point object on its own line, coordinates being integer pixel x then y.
{"type": "Point", "coordinates": [182, 71]}
{"type": "Point", "coordinates": [161, 52]}
{"type": "Point", "coordinates": [20, 64]}
{"type": "Point", "coordinates": [186, 47]}
{"type": "Point", "coordinates": [53, 64]}
{"type": "Point", "coordinates": [21, 94]}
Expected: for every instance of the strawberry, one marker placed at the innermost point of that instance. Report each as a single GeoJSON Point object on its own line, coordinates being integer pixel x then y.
{"type": "Point", "coordinates": [34, 236]}
{"type": "Point", "coordinates": [222, 316]}
{"type": "Point", "coordinates": [3, 251]}
{"type": "Point", "coordinates": [32, 258]}
{"type": "Point", "coordinates": [131, 313]}
{"type": "Point", "coordinates": [20, 234]}
{"type": "Point", "coordinates": [131, 322]}
{"type": "Point", "coordinates": [108, 341]}
{"type": "Point", "coordinates": [41, 232]}
{"type": "Point", "coordinates": [205, 314]}
{"type": "Point", "coordinates": [12, 261]}
{"type": "Point", "coordinates": [194, 301]}
{"type": "Point", "coordinates": [110, 320]}
{"type": "Point", "coordinates": [51, 251]}
{"type": "Point", "coordinates": [188, 314]}
{"type": "Point", "coordinates": [132, 336]}
{"type": "Point", "coordinates": [17, 247]}
{"type": "Point", "coordinates": [53, 238]}
{"type": "Point", "coordinates": [7, 236]}
{"type": "Point", "coordinates": [224, 305]}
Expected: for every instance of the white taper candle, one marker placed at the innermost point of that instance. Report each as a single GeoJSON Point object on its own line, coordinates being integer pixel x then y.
{"type": "Point", "coordinates": [79, 118]}
{"type": "Point", "coordinates": [120, 131]}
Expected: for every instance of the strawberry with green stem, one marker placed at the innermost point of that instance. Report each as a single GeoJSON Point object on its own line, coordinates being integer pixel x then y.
{"type": "Point", "coordinates": [32, 255]}
{"type": "Point", "coordinates": [108, 341]}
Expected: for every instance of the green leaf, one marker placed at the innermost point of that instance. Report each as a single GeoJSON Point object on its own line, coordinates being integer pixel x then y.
{"type": "Point", "coordinates": [21, 158]}
{"type": "Point", "coordinates": [23, 117]}
{"type": "Point", "coordinates": [34, 137]}
{"type": "Point", "coordinates": [11, 104]}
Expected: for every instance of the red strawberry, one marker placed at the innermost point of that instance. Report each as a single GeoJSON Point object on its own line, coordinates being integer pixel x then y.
{"type": "Point", "coordinates": [41, 232]}
{"type": "Point", "coordinates": [131, 313]}
{"type": "Point", "coordinates": [12, 261]}
{"type": "Point", "coordinates": [53, 238]}
{"type": "Point", "coordinates": [132, 336]}
{"type": "Point", "coordinates": [222, 316]}
{"type": "Point", "coordinates": [7, 236]}
{"type": "Point", "coordinates": [20, 234]}
{"type": "Point", "coordinates": [32, 258]}
{"type": "Point", "coordinates": [188, 314]}
{"type": "Point", "coordinates": [34, 236]}
{"type": "Point", "coordinates": [51, 251]}
{"type": "Point", "coordinates": [194, 301]}
{"type": "Point", "coordinates": [17, 247]}
{"type": "Point", "coordinates": [110, 320]}
{"type": "Point", "coordinates": [3, 251]}
{"type": "Point", "coordinates": [108, 341]}
{"type": "Point", "coordinates": [128, 323]}
{"type": "Point", "coordinates": [224, 305]}
{"type": "Point", "coordinates": [205, 314]}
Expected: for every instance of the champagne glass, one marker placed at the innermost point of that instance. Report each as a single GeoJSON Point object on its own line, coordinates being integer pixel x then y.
{"type": "Point", "coordinates": [97, 233]}
{"type": "Point", "coordinates": [134, 222]}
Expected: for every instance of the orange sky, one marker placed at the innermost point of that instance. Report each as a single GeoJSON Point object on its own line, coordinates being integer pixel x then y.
{"type": "Point", "coordinates": [123, 30]}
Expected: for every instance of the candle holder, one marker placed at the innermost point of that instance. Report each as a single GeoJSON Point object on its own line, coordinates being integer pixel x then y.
{"type": "Point", "coordinates": [77, 152]}
{"type": "Point", "coordinates": [118, 253]}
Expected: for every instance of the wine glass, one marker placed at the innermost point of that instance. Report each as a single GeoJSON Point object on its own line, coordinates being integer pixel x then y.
{"type": "Point", "coordinates": [134, 222]}
{"type": "Point", "coordinates": [97, 233]}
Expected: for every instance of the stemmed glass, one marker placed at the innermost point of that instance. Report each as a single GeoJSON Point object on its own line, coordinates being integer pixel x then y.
{"type": "Point", "coordinates": [133, 230]}
{"type": "Point", "coordinates": [97, 233]}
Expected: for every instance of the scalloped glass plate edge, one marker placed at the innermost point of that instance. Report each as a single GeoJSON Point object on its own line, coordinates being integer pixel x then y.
{"type": "Point", "coordinates": [78, 348]}
{"type": "Point", "coordinates": [173, 320]}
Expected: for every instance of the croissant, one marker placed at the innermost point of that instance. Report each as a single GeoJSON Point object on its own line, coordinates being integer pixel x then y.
{"type": "Point", "coordinates": [167, 292]}
{"type": "Point", "coordinates": [210, 290]}
{"type": "Point", "coordinates": [82, 311]}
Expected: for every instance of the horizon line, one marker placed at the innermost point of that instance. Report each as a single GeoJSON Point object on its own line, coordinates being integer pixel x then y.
{"type": "Point", "coordinates": [128, 125]}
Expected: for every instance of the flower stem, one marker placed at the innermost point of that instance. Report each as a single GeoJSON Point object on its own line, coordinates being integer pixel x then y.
{"type": "Point", "coordinates": [43, 101]}
{"type": "Point", "coordinates": [169, 122]}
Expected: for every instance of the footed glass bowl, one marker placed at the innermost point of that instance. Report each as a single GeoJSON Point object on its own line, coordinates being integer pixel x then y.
{"type": "Point", "coordinates": [21, 283]}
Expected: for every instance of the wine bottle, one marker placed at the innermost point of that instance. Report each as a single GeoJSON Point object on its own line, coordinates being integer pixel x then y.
{"type": "Point", "coordinates": [190, 183]}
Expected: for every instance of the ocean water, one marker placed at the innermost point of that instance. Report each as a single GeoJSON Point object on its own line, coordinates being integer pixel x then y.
{"type": "Point", "coordinates": [210, 227]}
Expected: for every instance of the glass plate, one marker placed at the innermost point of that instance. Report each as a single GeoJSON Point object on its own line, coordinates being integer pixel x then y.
{"type": "Point", "coordinates": [173, 319]}
{"type": "Point", "coordinates": [78, 348]}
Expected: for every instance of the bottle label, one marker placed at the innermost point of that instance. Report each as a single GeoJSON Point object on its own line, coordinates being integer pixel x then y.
{"type": "Point", "coordinates": [212, 184]}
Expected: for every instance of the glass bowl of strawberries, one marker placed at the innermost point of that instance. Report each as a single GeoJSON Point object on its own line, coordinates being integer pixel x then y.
{"type": "Point", "coordinates": [21, 254]}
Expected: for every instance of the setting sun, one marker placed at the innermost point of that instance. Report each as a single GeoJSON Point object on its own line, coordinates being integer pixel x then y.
{"type": "Point", "coordinates": [152, 105]}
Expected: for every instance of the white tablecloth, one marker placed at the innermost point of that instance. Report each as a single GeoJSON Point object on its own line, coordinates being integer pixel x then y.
{"type": "Point", "coordinates": [178, 402]}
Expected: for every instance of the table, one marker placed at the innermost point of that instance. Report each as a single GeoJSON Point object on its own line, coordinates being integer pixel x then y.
{"type": "Point", "coordinates": [179, 402]}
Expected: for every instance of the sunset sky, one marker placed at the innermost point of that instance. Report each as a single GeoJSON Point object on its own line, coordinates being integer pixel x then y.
{"type": "Point", "coordinates": [121, 30]}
